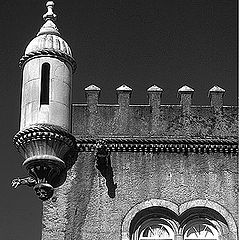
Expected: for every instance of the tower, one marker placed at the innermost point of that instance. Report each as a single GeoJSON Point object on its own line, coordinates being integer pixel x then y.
{"type": "Point", "coordinates": [44, 139]}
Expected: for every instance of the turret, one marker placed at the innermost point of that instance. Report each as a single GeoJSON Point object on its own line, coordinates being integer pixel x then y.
{"type": "Point", "coordinates": [45, 139]}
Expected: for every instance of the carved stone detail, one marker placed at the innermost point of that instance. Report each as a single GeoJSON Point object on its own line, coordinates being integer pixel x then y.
{"type": "Point", "coordinates": [49, 151]}
{"type": "Point", "coordinates": [171, 145]}
{"type": "Point", "coordinates": [103, 164]}
{"type": "Point", "coordinates": [28, 181]}
{"type": "Point", "coordinates": [46, 52]}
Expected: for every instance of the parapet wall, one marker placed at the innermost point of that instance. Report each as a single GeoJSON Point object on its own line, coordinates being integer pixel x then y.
{"type": "Point", "coordinates": [155, 120]}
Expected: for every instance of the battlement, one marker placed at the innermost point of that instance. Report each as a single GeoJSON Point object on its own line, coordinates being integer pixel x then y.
{"type": "Point", "coordinates": [154, 119]}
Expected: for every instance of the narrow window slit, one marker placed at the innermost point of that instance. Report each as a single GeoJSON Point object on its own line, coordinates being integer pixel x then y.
{"type": "Point", "coordinates": [45, 74]}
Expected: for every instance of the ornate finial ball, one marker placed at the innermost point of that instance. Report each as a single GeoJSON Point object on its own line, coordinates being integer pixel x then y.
{"type": "Point", "coordinates": [49, 3]}
{"type": "Point", "coordinates": [44, 191]}
{"type": "Point", "coordinates": [50, 15]}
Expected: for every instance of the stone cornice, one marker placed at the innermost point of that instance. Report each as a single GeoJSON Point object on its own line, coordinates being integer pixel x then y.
{"type": "Point", "coordinates": [161, 144]}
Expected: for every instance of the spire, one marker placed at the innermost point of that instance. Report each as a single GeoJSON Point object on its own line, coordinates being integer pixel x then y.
{"type": "Point", "coordinates": [49, 17]}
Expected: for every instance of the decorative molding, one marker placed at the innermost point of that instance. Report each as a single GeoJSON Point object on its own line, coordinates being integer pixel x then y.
{"type": "Point", "coordinates": [43, 132]}
{"type": "Point", "coordinates": [45, 139]}
{"type": "Point", "coordinates": [49, 151]}
{"type": "Point", "coordinates": [46, 52]}
{"type": "Point", "coordinates": [154, 145]}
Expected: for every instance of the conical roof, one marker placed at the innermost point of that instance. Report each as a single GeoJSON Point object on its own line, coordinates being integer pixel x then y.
{"type": "Point", "coordinates": [48, 37]}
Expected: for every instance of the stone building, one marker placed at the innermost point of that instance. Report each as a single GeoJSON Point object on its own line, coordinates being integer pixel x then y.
{"type": "Point", "coordinates": [122, 171]}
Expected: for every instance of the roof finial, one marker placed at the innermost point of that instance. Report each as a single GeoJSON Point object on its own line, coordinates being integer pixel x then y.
{"type": "Point", "coordinates": [50, 15]}
{"type": "Point", "coordinates": [49, 26]}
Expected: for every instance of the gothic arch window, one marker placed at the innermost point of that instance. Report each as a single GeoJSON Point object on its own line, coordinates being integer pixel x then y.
{"type": "Point", "coordinates": [45, 75]}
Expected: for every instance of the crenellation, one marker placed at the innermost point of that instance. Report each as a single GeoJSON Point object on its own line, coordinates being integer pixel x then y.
{"type": "Point", "coordinates": [216, 97]}
{"type": "Point", "coordinates": [153, 119]}
{"type": "Point", "coordinates": [124, 94]}
{"type": "Point", "coordinates": [123, 117]}
{"type": "Point", "coordinates": [154, 96]}
{"type": "Point", "coordinates": [185, 94]}
{"type": "Point", "coordinates": [92, 93]}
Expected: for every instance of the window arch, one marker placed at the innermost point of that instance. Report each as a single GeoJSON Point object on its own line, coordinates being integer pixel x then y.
{"type": "Point", "coordinates": [193, 220]}
{"type": "Point", "coordinates": [154, 223]}
{"type": "Point", "coordinates": [202, 223]}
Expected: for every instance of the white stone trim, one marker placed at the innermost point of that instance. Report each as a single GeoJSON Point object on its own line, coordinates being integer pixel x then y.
{"type": "Point", "coordinates": [139, 207]}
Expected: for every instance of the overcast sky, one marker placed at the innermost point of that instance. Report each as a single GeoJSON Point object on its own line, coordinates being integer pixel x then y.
{"type": "Point", "coordinates": [169, 43]}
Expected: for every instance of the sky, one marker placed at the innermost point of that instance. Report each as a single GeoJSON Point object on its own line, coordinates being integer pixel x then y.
{"type": "Point", "coordinates": [169, 43]}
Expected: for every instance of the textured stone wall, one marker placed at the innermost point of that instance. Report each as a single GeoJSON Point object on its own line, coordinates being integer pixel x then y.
{"type": "Point", "coordinates": [81, 208]}
{"type": "Point", "coordinates": [140, 122]}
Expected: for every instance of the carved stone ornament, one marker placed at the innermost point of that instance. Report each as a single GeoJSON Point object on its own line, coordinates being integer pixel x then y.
{"type": "Point", "coordinates": [162, 144]}
{"type": "Point", "coordinates": [103, 164]}
{"type": "Point", "coordinates": [48, 52]}
{"type": "Point", "coordinates": [49, 151]}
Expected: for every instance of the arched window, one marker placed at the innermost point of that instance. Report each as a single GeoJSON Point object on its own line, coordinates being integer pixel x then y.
{"type": "Point", "coordinates": [202, 223]}
{"type": "Point", "coordinates": [201, 231]}
{"type": "Point", "coordinates": [154, 223]}
{"type": "Point", "coordinates": [156, 230]}
{"type": "Point", "coordinates": [45, 75]}
{"type": "Point", "coordinates": [160, 223]}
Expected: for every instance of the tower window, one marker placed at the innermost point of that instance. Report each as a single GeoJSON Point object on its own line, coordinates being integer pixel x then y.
{"type": "Point", "coordinates": [45, 74]}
